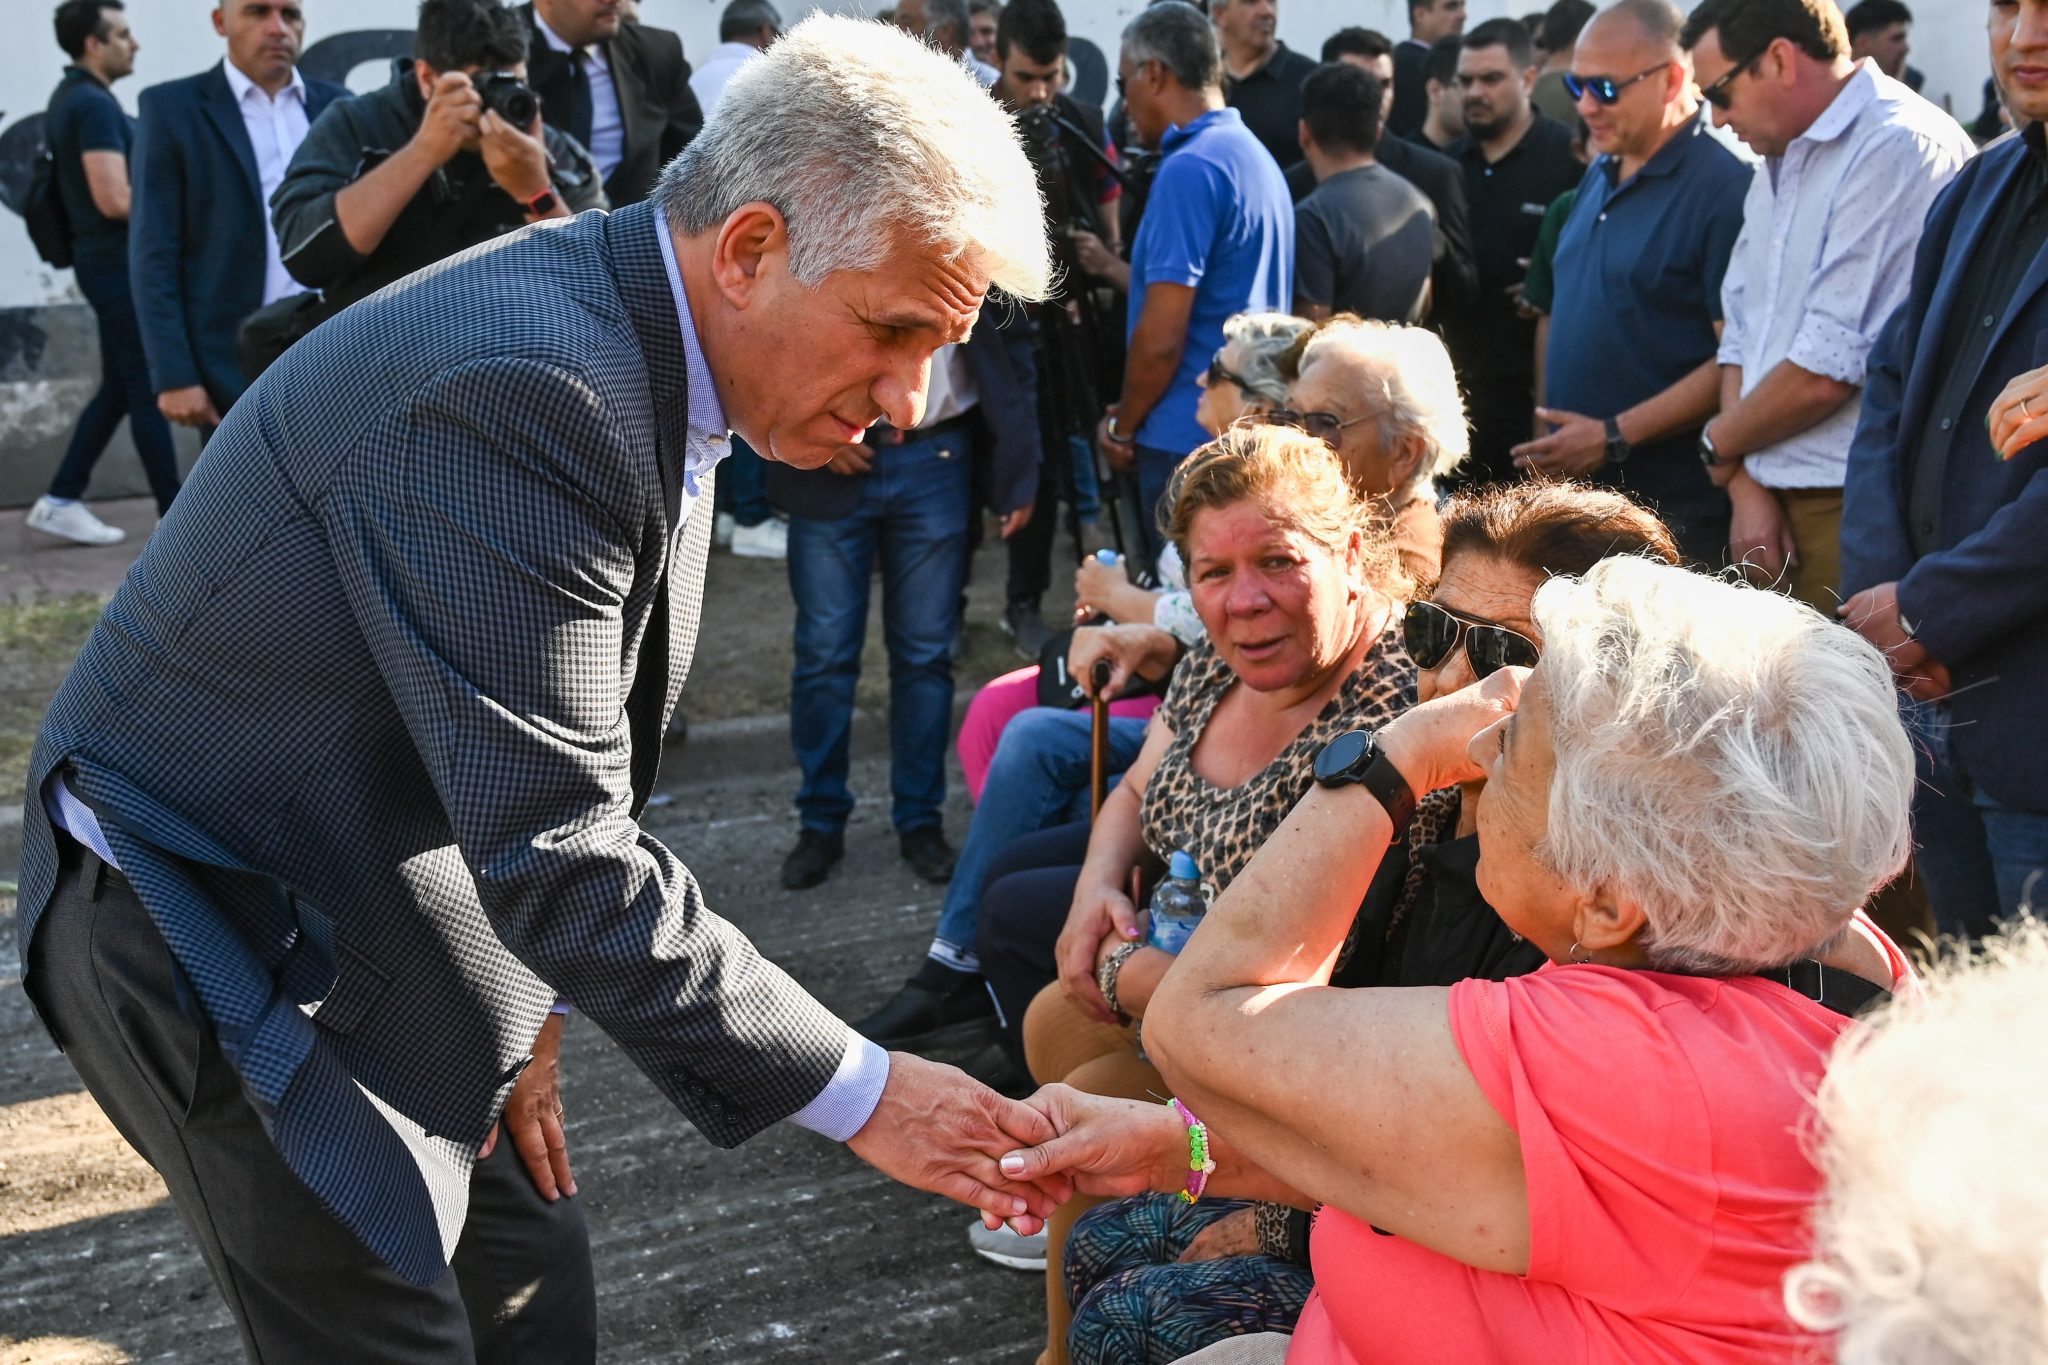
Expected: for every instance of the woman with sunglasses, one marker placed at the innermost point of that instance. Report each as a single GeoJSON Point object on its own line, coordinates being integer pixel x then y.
{"type": "Point", "coordinates": [1153, 1270]}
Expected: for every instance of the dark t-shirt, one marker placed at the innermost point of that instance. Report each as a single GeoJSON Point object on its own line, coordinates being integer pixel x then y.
{"type": "Point", "coordinates": [1269, 101]}
{"type": "Point", "coordinates": [1364, 241]}
{"type": "Point", "coordinates": [85, 117]}
{"type": "Point", "coordinates": [1508, 198]}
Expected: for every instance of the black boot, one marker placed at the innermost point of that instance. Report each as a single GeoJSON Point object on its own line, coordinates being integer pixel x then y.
{"type": "Point", "coordinates": [935, 1002]}
{"type": "Point", "coordinates": [812, 858]}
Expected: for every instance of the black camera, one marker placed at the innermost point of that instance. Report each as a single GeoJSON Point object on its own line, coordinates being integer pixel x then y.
{"type": "Point", "coordinates": [511, 97]}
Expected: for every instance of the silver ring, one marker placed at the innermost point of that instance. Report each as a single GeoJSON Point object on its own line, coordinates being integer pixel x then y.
{"type": "Point", "coordinates": [2023, 410]}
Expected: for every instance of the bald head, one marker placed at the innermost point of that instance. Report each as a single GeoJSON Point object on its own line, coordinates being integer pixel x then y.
{"type": "Point", "coordinates": [1649, 26]}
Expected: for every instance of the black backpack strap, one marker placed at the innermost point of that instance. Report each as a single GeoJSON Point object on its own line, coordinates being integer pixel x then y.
{"type": "Point", "coordinates": [1843, 992]}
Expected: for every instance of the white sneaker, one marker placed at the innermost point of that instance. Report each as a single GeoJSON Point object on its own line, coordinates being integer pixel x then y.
{"type": "Point", "coordinates": [769, 540]}
{"type": "Point", "coordinates": [722, 528]}
{"type": "Point", "coordinates": [72, 521]}
{"type": "Point", "coordinates": [1006, 1248]}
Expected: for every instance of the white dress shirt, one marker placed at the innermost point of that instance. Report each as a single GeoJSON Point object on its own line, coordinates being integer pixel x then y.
{"type": "Point", "coordinates": [277, 125]}
{"type": "Point", "coordinates": [607, 130]}
{"type": "Point", "coordinates": [707, 82]}
{"type": "Point", "coordinates": [1826, 255]}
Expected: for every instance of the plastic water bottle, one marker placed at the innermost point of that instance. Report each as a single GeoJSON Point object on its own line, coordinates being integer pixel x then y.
{"type": "Point", "coordinates": [1106, 558]}
{"type": "Point", "coordinates": [1178, 904]}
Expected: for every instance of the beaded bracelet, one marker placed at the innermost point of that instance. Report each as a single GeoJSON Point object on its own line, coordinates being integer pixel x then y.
{"type": "Point", "coordinates": [1107, 973]}
{"type": "Point", "coordinates": [1200, 1164]}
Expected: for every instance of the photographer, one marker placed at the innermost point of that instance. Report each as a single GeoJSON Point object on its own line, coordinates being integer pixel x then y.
{"type": "Point", "coordinates": [450, 154]}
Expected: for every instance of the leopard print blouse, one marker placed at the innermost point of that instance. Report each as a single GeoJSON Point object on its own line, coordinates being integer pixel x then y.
{"type": "Point", "coordinates": [1222, 827]}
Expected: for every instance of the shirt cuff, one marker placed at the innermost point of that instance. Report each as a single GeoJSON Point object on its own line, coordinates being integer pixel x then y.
{"type": "Point", "coordinates": [848, 1100]}
{"type": "Point", "coordinates": [1826, 347]}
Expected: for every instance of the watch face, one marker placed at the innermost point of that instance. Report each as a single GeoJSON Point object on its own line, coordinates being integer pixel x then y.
{"type": "Point", "coordinates": [1340, 756]}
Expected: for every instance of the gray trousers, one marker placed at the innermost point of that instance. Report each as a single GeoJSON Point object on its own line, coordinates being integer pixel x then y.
{"type": "Point", "coordinates": [301, 1287]}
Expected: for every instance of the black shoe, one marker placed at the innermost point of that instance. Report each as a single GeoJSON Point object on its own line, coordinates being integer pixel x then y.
{"type": "Point", "coordinates": [994, 1068]}
{"type": "Point", "coordinates": [1023, 624]}
{"type": "Point", "coordinates": [928, 854]}
{"type": "Point", "coordinates": [930, 1005]}
{"type": "Point", "coordinates": [812, 858]}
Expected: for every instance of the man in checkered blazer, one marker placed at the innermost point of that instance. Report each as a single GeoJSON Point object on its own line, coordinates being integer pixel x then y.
{"type": "Point", "coordinates": [341, 796]}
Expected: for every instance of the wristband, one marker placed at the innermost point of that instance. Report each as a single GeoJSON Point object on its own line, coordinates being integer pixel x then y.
{"type": "Point", "coordinates": [1117, 436]}
{"type": "Point", "coordinates": [1200, 1164]}
{"type": "Point", "coordinates": [1106, 975]}
{"type": "Point", "coordinates": [541, 203]}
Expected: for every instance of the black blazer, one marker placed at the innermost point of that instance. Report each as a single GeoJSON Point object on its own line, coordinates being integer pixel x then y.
{"type": "Point", "coordinates": [196, 247]}
{"type": "Point", "coordinates": [656, 104]}
{"type": "Point", "coordinates": [1007, 449]}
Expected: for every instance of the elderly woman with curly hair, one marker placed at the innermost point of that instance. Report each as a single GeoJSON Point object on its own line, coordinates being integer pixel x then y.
{"type": "Point", "coordinates": [1685, 802]}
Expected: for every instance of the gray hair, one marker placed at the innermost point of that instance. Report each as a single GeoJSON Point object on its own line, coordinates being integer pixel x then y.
{"type": "Point", "coordinates": [940, 15]}
{"type": "Point", "coordinates": [1931, 1238]}
{"type": "Point", "coordinates": [1262, 339]}
{"type": "Point", "coordinates": [1727, 758]}
{"type": "Point", "coordinates": [856, 132]}
{"type": "Point", "coordinates": [1414, 387]}
{"type": "Point", "coordinates": [1180, 38]}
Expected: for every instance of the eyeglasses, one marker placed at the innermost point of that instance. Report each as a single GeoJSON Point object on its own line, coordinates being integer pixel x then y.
{"type": "Point", "coordinates": [1134, 71]}
{"type": "Point", "coordinates": [1324, 426]}
{"type": "Point", "coordinates": [1606, 89]}
{"type": "Point", "coordinates": [1218, 371]}
{"type": "Point", "coordinates": [1431, 632]}
{"type": "Point", "coordinates": [1717, 93]}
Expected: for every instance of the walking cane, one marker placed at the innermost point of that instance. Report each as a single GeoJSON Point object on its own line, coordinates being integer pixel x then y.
{"type": "Point", "coordinates": [1098, 738]}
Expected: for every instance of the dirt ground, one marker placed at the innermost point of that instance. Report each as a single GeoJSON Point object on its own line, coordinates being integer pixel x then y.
{"type": "Point", "coordinates": [787, 1249]}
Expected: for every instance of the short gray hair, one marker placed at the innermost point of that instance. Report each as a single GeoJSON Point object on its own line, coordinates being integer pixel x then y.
{"type": "Point", "coordinates": [1262, 339]}
{"type": "Point", "coordinates": [1727, 758]}
{"type": "Point", "coordinates": [1414, 387]}
{"type": "Point", "coordinates": [940, 15]}
{"type": "Point", "coordinates": [1180, 38]}
{"type": "Point", "coordinates": [1930, 1234]}
{"type": "Point", "coordinates": [855, 131]}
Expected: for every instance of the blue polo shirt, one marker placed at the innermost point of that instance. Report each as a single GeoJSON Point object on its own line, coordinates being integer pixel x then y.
{"type": "Point", "coordinates": [1219, 218]}
{"type": "Point", "coordinates": [1638, 269]}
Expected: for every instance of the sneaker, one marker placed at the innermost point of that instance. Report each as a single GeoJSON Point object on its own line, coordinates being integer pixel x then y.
{"type": "Point", "coordinates": [1006, 1248]}
{"type": "Point", "coordinates": [812, 858]}
{"type": "Point", "coordinates": [1023, 624]}
{"type": "Point", "coordinates": [72, 521]}
{"type": "Point", "coordinates": [932, 1004]}
{"type": "Point", "coordinates": [722, 527]}
{"type": "Point", "coordinates": [769, 540]}
{"type": "Point", "coordinates": [928, 854]}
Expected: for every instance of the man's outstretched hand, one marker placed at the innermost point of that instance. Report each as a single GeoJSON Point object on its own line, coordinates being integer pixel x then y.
{"type": "Point", "coordinates": [939, 1129]}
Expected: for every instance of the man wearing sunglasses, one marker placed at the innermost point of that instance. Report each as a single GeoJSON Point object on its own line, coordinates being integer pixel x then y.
{"type": "Point", "coordinates": [1630, 372]}
{"type": "Point", "coordinates": [1853, 160]}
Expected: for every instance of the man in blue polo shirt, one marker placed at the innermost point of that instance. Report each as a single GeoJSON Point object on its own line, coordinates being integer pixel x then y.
{"type": "Point", "coordinates": [1217, 239]}
{"type": "Point", "coordinates": [1630, 375]}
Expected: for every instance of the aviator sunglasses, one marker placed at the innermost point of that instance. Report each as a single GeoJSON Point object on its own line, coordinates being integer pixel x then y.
{"type": "Point", "coordinates": [1431, 632]}
{"type": "Point", "coordinates": [1605, 89]}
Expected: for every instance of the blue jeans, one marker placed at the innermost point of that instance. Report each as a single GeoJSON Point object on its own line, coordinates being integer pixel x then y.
{"type": "Point", "coordinates": [913, 512]}
{"type": "Point", "coordinates": [1155, 467]}
{"type": "Point", "coordinates": [1982, 860]}
{"type": "Point", "coordinates": [743, 485]}
{"type": "Point", "coordinates": [1087, 487]}
{"type": "Point", "coordinates": [1037, 779]}
{"type": "Point", "coordinates": [125, 391]}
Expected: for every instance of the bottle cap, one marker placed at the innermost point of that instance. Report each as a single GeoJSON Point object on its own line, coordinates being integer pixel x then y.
{"type": "Point", "coordinates": [1105, 557]}
{"type": "Point", "coordinates": [1182, 867]}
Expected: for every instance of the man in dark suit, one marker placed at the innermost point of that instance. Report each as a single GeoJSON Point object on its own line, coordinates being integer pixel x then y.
{"type": "Point", "coordinates": [620, 88]}
{"type": "Point", "coordinates": [1944, 562]}
{"type": "Point", "coordinates": [1429, 22]}
{"type": "Point", "coordinates": [211, 150]}
{"type": "Point", "coordinates": [343, 793]}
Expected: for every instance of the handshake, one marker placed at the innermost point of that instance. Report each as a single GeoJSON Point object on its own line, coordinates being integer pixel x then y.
{"type": "Point", "coordinates": [939, 1130]}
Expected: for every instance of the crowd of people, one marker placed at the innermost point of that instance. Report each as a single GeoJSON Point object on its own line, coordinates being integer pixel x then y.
{"type": "Point", "coordinates": [1552, 505]}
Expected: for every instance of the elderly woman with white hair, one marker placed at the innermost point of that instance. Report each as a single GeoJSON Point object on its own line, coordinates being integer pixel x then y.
{"type": "Point", "coordinates": [1685, 801]}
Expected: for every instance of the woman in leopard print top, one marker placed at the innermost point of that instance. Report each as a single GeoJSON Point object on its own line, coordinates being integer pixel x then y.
{"type": "Point", "coordinates": [1304, 644]}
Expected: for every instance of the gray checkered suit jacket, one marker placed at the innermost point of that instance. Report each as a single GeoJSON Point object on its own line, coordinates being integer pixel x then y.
{"type": "Point", "coordinates": [369, 724]}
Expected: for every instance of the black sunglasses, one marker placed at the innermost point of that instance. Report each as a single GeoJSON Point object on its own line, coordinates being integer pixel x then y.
{"type": "Point", "coordinates": [1431, 632]}
{"type": "Point", "coordinates": [1717, 93]}
{"type": "Point", "coordinates": [1606, 89]}
{"type": "Point", "coordinates": [1134, 71]}
{"type": "Point", "coordinates": [1218, 370]}
{"type": "Point", "coordinates": [1324, 426]}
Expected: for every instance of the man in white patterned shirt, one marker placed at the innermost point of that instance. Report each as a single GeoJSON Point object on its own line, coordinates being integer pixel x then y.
{"type": "Point", "coordinates": [210, 151]}
{"type": "Point", "coordinates": [1852, 160]}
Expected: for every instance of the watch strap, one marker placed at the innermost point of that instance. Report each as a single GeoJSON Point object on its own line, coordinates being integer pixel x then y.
{"type": "Point", "coordinates": [1390, 789]}
{"type": "Point", "coordinates": [543, 202]}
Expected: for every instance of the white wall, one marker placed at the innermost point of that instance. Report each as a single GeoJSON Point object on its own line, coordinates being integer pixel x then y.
{"type": "Point", "coordinates": [177, 39]}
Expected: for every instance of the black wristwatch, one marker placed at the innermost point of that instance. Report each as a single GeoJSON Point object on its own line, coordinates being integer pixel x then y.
{"type": "Point", "coordinates": [1709, 456]}
{"type": "Point", "coordinates": [1355, 757]}
{"type": "Point", "coordinates": [1618, 448]}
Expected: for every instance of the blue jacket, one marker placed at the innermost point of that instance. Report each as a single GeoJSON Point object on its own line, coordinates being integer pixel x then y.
{"type": "Point", "coordinates": [1979, 603]}
{"type": "Point", "coordinates": [196, 241]}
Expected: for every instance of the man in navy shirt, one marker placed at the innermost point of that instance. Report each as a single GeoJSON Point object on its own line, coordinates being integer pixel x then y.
{"type": "Point", "coordinates": [1217, 239]}
{"type": "Point", "coordinates": [1630, 375]}
{"type": "Point", "coordinates": [89, 137]}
